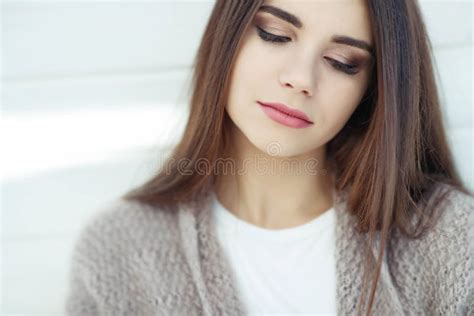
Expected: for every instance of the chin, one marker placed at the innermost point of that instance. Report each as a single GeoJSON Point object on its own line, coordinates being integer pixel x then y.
{"type": "Point", "coordinates": [280, 149]}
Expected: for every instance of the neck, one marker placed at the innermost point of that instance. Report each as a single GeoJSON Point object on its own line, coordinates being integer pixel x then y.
{"type": "Point", "coordinates": [276, 192]}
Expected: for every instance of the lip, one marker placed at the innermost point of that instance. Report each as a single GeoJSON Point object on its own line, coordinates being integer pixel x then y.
{"type": "Point", "coordinates": [285, 115]}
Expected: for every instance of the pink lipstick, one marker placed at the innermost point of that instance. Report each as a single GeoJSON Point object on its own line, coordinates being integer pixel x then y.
{"type": "Point", "coordinates": [285, 115]}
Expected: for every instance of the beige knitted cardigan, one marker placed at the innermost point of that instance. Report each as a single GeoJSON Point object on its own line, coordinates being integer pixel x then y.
{"type": "Point", "coordinates": [133, 259]}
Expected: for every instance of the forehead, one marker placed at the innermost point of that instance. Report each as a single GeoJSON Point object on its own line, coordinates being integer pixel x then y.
{"type": "Point", "coordinates": [328, 17]}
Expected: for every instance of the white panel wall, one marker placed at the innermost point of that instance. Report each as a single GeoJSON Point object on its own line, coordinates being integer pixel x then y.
{"type": "Point", "coordinates": [451, 31]}
{"type": "Point", "coordinates": [93, 90]}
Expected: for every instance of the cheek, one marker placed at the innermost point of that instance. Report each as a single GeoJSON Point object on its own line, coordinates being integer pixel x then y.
{"type": "Point", "coordinates": [339, 105]}
{"type": "Point", "coordinates": [252, 67]}
{"type": "Point", "coordinates": [248, 79]}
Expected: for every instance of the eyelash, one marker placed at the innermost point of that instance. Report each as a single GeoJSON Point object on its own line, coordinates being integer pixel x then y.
{"type": "Point", "coordinates": [269, 37]}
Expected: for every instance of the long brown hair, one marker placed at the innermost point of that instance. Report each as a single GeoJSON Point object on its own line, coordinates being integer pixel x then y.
{"type": "Point", "coordinates": [391, 153]}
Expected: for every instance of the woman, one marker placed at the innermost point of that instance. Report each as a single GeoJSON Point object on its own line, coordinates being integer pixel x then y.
{"type": "Point", "coordinates": [346, 198]}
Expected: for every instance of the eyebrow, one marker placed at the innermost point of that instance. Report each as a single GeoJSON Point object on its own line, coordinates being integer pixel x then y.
{"type": "Point", "coordinates": [295, 21]}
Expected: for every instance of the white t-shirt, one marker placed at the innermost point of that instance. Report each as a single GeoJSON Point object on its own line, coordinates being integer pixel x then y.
{"type": "Point", "coordinates": [286, 271]}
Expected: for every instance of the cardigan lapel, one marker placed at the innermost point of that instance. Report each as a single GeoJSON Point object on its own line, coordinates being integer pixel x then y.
{"type": "Point", "coordinates": [216, 283]}
{"type": "Point", "coordinates": [350, 261]}
{"type": "Point", "coordinates": [190, 244]}
{"type": "Point", "coordinates": [211, 271]}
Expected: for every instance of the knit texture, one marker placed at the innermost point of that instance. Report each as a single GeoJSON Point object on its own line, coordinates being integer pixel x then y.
{"type": "Point", "coordinates": [134, 259]}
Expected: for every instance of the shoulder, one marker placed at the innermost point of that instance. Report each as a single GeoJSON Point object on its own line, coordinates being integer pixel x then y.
{"type": "Point", "coordinates": [124, 258]}
{"type": "Point", "coordinates": [450, 212]}
{"type": "Point", "coordinates": [450, 240]}
{"type": "Point", "coordinates": [454, 211]}
{"type": "Point", "coordinates": [124, 219]}
{"type": "Point", "coordinates": [124, 229]}
{"type": "Point", "coordinates": [440, 261]}
{"type": "Point", "coordinates": [122, 216]}
{"type": "Point", "coordinates": [448, 251]}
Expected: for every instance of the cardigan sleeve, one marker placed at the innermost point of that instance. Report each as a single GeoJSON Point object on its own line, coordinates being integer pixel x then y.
{"type": "Point", "coordinates": [80, 298]}
{"type": "Point", "coordinates": [466, 204]}
{"type": "Point", "coordinates": [454, 256]}
{"type": "Point", "coordinates": [469, 305]}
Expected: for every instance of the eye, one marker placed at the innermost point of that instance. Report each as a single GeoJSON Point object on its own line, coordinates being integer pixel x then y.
{"type": "Point", "coordinates": [269, 37]}
{"type": "Point", "coordinates": [346, 68]}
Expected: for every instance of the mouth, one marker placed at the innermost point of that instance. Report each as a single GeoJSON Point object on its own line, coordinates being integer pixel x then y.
{"type": "Point", "coordinates": [285, 115]}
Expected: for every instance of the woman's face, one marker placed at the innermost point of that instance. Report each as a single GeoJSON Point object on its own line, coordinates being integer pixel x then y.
{"type": "Point", "coordinates": [304, 71]}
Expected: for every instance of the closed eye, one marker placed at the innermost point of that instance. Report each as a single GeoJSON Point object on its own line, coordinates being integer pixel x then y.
{"type": "Point", "coordinates": [348, 69]}
{"type": "Point", "coordinates": [279, 40]}
{"type": "Point", "coordinates": [269, 37]}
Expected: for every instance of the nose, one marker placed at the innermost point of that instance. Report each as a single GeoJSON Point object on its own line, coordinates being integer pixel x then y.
{"type": "Point", "coordinates": [298, 76]}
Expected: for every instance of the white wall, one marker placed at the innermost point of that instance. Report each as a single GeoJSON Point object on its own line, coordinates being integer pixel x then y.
{"type": "Point", "coordinates": [93, 90]}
